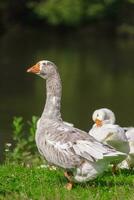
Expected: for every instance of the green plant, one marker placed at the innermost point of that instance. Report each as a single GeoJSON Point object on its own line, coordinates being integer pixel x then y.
{"type": "Point", "coordinates": [24, 150]}
{"type": "Point", "coordinates": [31, 136]}
{"type": "Point", "coordinates": [76, 12]}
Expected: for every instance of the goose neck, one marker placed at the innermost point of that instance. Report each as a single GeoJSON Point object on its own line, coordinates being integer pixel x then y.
{"type": "Point", "coordinates": [53, 99]}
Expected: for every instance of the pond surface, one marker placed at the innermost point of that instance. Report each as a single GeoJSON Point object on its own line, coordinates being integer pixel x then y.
{"type": "Point", "coordinates": [95, 73]}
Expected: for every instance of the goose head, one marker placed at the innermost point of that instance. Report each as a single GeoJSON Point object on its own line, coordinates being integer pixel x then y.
{"type": "Point", "coordinates": [103, 116]}
{"type": "Point", "coordinates": [43, 68]}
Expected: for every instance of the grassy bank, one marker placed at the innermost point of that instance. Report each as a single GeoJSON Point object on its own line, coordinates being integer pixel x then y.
{"type": "Point", "coordinates": [24, 183]}
{"type": "Point", "coordinates": [27, 180]}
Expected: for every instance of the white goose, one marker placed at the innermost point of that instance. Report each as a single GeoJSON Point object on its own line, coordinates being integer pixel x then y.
{"type": "Point", "coordinates": [104, 130]}
{"type": "Point", "coordinates": [64, 145]}
{"type": "Point", "coordinates": [130, 159]}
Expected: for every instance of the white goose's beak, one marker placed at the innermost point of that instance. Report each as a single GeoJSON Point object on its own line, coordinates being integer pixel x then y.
{"type": "Point", "coordinates": [98, 122]}
{"type": "Point", "coordinates": [34, 69]}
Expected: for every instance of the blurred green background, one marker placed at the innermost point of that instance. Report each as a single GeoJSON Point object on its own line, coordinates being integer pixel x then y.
{"type": "Point", "coordinates": [115, 16]}
{"type": "Point", "coordinates": [91, 42]}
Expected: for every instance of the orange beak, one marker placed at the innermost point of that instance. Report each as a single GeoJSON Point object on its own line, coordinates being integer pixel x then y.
{"type": "Point", "coordinates": [34, 69]}
{"type": "Point", "coordinates": [98, 122]}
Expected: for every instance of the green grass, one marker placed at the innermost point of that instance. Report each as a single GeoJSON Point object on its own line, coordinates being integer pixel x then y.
{"type": "Point", "coordinates": [22, 183]}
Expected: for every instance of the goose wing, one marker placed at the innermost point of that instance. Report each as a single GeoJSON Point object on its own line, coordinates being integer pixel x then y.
{"type": "Point", "coordinates": [67, 146]}
{"type": "Point", "coordinates": [87, 147]}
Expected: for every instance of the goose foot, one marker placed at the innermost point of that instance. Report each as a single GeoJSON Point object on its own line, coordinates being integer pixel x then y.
{"type": "Point", "coordinates": [69, 185]}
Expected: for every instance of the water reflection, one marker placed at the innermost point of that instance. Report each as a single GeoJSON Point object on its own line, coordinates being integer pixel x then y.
{"type": "Point", "coordinates": [95, 73]}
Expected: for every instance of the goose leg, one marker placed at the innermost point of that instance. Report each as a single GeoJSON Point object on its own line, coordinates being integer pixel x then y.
{"type": "Point", "coordinates": [69, 185]}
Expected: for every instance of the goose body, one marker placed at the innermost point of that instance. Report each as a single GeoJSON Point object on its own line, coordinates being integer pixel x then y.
{"type": "Point", "coordinates": [68, 147]}
{"type": "Point", "coordinates": [104, 130]}
{"type": "Point", "coordinates": [64, 145]}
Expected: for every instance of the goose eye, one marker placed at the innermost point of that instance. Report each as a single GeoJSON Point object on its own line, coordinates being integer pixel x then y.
{"type": "Point", "coordinates": [44, 64]}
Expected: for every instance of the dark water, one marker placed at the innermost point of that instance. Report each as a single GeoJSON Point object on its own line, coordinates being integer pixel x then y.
{"type": "Point", "coordinates": [95, 73]}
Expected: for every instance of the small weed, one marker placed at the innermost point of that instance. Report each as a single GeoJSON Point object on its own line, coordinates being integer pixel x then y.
{"type": "Point", "coordinates": [24, 150]}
